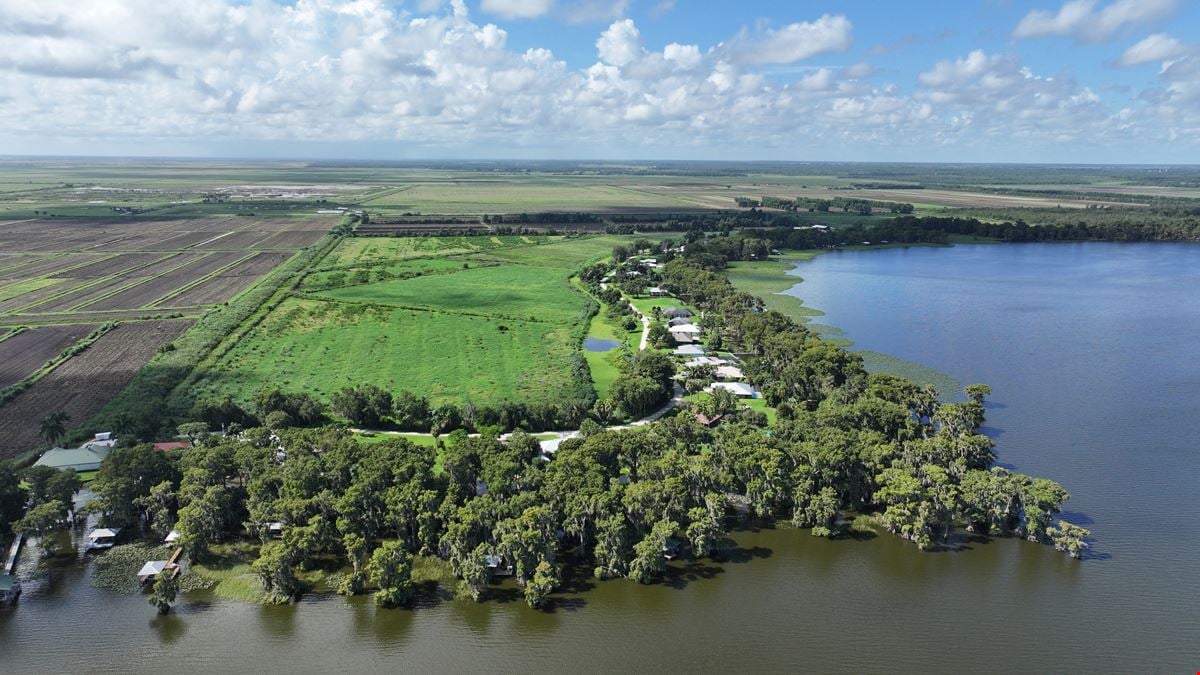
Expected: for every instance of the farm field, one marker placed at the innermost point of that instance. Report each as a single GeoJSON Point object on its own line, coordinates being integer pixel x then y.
{"type": "Point", "coordinates": [24, 353]}
{"type": "Point", "coordinates": [370, 250]}
{"type": "Point", "coordinates": [86, 382]}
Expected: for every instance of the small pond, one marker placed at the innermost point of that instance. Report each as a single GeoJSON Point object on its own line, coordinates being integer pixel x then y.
{"type": "Point", "coordinates": [599, 344]}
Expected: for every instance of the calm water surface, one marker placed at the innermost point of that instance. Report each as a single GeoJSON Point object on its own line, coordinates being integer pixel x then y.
{"type": "Point", "coordinates": [1092, 352]}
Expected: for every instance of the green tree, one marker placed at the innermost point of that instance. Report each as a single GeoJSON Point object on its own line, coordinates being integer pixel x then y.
{"type": "Point", "coordinates": [649, 561]}
{"type": "Point", "coordinates": [159, 506]}
{"type": "Point", "coordinates": [1069, 538]}
{"type": "Point", "coordinates": [475, 574]}
{"type": "Point", "coordinates": [53, 427]}
{"type": "Point", "coordinates": [390, 571]}
{"type": "Point", "coordinates": [274, 569]}
{"type": "Point", "coordinates": [42, 521]}
{"type": "Point", "coordinates": [541, 585]}
{"type": "Point", "coordinates": [196, 432]}
{"type": "Point", "coordinates": [127, 474]}
{"type": "Point", "coordinates": [166, 588]}
{"type": "Point", "coordinates": [12, 496]}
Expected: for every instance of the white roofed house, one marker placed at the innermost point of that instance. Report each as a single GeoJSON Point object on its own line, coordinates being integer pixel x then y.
{"type": "Point", "coordinates": [685, 328]}
{"type": "Point", "coordinates": [658, 292]}
{"type": "Point", "coordinates": [683, 338]}
{"type": "Point", "coordinates": [739, 389]}
{"type": "Point", "coordinates": [689, 350]}
{"type": "Point", "coordinates": [705, 361]}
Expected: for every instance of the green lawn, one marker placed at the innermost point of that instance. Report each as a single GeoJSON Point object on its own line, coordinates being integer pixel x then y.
{"type": "Point", "coordinates": [646, 305]}
{"type": "Point", "coordinates": [752, 403]}
{"type": "Point", "coordinates": [571, 254]}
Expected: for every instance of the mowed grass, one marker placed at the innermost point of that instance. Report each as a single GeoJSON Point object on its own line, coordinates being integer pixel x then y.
{"type": "Point", "coordinates": [370, 250]}
{"type": "Point", "coordinates": [320, 347]}
{"type": "Point", "coordinates": [510, 291]}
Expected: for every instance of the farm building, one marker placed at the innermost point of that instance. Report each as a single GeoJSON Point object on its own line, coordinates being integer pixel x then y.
{"type": "Point", "coordinates": [689, 350]}
{"type": "Point", "coordinates": [740, 389]}
{"type": "Point", "coordinates": [87, 458]}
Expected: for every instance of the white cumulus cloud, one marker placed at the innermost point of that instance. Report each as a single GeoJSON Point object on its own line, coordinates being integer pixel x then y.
{"type": "Point", "coordinates": [1082, 19]}
{"type": "Point", "coordinates": [1157, 47]}
{"type": "Point", "coordinates": [791, 43]}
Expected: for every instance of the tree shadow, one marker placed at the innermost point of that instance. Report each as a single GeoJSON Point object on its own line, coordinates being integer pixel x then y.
{"type": "Point", "coordinates": [739, 555]}
{"type": "Point", "coordinates": [680, 576]}
{"type": "Point", "coordinates": [960, 542]}
{"type": "Point", "coordinates": [1076, 517]}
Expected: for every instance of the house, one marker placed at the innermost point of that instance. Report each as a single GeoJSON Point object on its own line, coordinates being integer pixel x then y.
{"type": "Point", "coordinates": [689, 328]}
{"type": "Point", "coordinates": [151, 569]}
{"type": "Point", "coordinates": [729, 372]}
{"type": "Point", "coordinates": [657, 292]}
{"type": "Point", "coordinates": [679, 321]}
{"type": "Point", "coordinates": [102, 538]}
{"type": "Point", "coordinates": [683, 338]}
{"type": "Point", "coordinates": [705, 361]}
{"type": "Point", "coordinates": [675, 312]}
{"type": "Point", "coordinates": [10, 589]}
{"type": "Point", "coordinates": [689, 350]}
{"type": "Point", "coordinates": [166, 446]}
{"type": "Point", "coordinates": [740, 389]}
{"type": "Point", "coordinates": [87, 458]}
{"type": "Point", "coordinates": [706, 421]}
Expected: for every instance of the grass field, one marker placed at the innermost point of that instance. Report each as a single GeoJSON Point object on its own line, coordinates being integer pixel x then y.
{"type": "Point", "coordinates": [769, 278]}
{"type": "Point", "coordinates": [374, 250]}
{"type": "Point", "coordinates": [507, 291]}
{"type": "Point", "coordinates": [321, 347]}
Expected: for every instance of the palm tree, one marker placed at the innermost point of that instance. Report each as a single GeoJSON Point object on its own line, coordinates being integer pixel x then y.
{"type": "Point", "coordinates": [54, 427]}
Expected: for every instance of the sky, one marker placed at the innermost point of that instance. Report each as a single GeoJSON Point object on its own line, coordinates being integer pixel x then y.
{"type": "Point", "coordinates": [1075, 81]}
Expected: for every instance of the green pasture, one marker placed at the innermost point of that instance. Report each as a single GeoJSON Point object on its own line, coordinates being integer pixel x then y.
{"type": "Point", "coordinates": [375, 250]}
{"type": "Point", "coordinates": [512, 291]}
{"type": "Point", "coordinates": [320, 347]}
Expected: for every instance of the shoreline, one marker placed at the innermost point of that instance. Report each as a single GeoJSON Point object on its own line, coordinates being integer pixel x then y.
{"type": "Point", "coordinates": [771, 279]}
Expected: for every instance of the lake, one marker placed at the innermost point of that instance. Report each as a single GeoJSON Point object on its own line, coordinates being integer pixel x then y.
{"type": "Point", "coordinates": [1092, 352]}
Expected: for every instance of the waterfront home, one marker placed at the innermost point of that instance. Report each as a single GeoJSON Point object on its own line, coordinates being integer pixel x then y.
{"type": "Point", "coordinates": [675, 313]}
{"type": "Point", "coordinates": [102, 538]}
{"type": "Point", "coordinates": [657, 292]}
{"type": "Point", "coordinates": [705, 361]}
{"type": "Point", "coordinates": [685, 329]}
{"type": "Point", "coordinates": [683, 338]}
{"type": "Point", "coordinates": [498, 567]}
{"type": "Point", "coordinates": [689, 350]}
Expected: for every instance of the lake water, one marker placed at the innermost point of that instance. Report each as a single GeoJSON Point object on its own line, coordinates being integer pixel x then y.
{"type": "Point", "coordinates": [1092, 352]}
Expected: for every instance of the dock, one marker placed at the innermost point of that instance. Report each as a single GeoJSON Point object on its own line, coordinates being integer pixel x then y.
{"type": "Point", "coordinates": [10, 562]}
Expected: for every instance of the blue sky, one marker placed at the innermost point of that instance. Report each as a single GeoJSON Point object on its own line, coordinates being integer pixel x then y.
{"type": "Point", "coordinates": [993, 80]}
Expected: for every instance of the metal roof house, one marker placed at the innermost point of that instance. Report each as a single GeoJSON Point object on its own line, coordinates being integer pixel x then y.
{"type": "Point", "coordinates": [689, 350]}
{"type": "Point", "coordinates": [740, 389]}
{"type": "Point", "coordinates": [685, 328]}
{"type": "Point", "coordinates": [87, 458]}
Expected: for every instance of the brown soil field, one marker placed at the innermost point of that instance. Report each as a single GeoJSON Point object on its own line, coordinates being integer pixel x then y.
{"type": "Point", "coordinates": [155, 288]}
{"type": "Point", "coordinates": [291, 240]}
{"type": "Point", "coordinates": [227, 284]}
{"type": "Point", "coordinates": [159, 263]}
{"type": "Point", "coordinates": [85, 383]}
{"type": "Point", "coordinates": [51, 265]}
{"type": "Point", "coordinates": [41, 294]}
{"type": "Point", "coordinates": [9, 262]}
{"type": "Point", "coordinates": [107, 266]}
{"type": "Point", "coordinates": [236, 241]}
{"type": "Point", "coordinates": [22, 354]}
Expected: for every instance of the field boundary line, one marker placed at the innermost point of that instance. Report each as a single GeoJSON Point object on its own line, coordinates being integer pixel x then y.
{"type": "Point", "coordinates": [137, 282]}
{"type": "Point", "coordinates": [89, 284]}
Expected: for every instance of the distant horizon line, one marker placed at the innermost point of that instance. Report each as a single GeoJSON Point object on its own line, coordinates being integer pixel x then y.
{"type": "Point", "coordinates": [482, 160]}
